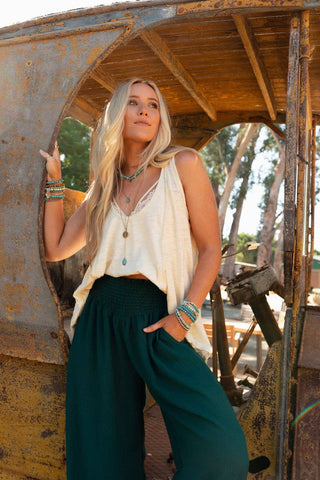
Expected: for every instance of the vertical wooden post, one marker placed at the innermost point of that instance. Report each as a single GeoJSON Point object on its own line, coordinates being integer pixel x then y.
{"type": "Point", "coordinates": [289, 243]}
{"type": "Point", "coordinates": [299, 281]}
{"type": "Point", "coordinates": [291, 157]}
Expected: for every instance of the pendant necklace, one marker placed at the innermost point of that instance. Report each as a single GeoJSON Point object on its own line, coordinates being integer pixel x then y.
{"type": "Point", "coordinates": [125, 221]}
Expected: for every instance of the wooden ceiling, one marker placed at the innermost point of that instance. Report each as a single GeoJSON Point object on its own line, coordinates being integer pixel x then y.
{"type": "Point", "coordinates": [213, 71]}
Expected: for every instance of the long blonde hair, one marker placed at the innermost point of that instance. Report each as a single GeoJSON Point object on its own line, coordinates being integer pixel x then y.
{"type": "Point", "coordinates": [108, 157]}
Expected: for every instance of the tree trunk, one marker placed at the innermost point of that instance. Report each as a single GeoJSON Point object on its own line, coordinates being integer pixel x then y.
{"type": "Point", "coordinates": [268, 230]}
{"type": "Point", "coordinates": [228, 270]}
{"type": "Point", "coordinates": [250, 131]}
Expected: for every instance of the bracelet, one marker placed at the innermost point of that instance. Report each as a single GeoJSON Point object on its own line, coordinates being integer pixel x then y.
{"type": "Point", "coordinates": [53, 182]}
{"type": "Point", "coordinates": [181, 321]}
{"type": "Point", "coordinates": [190, 313]}
{"type": "Point", "coordinates": [192, 305]}
{"type": "Point", "coordinates": [190, 309]}
{"type": "Point", "coordinates": [54, 191]}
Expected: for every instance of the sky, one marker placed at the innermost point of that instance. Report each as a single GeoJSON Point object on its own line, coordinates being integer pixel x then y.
{"type": "Point", "coordinates": [16, 11]}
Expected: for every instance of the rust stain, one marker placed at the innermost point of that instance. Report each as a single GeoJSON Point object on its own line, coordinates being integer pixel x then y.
{"type": "Point", "coordinates": [14, 296]}
{"type": "Point", "coordinates": [48, 433]}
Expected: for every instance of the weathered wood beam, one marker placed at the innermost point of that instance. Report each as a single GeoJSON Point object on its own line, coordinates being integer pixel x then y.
{"type": "Point", "coordinates": [270, 124]}
{"type": "Point", "coordinates": [82, 111]}
{"type": "Point", "coordinates": [202, 142]}
{"type": "Point", "coordinates": [258, 66]}
{"type": "Point", "coordinates": [104, 79]}
{"type": "Point", "coordinates": [161, 49]}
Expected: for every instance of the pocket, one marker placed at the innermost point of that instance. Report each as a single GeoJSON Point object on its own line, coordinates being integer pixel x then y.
{"type": "Point", "coordinates": [169, 337]}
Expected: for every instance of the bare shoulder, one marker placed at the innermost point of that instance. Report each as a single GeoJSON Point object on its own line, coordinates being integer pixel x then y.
{"type": "Point", "coordinates": [189, 164]}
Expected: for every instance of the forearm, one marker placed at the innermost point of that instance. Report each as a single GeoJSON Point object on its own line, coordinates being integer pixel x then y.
{"type": "Point", "coordinates": [54, 225]}
{"type": "Point", "coordinates": [205, 275]}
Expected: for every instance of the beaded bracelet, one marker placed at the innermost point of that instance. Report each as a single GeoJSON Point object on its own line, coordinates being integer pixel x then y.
{"type": "Point", "coordinates": [181, 320]}
{"type": "Point", "coordinates": [54, 182]}
{"type": "Point", "coordinates": [188, 312]}
{"type": "Point", "coordinates": [191, 305]}
{"type": "Point", "coordinates": [190, 309]}
{"type": "Point", "coordinates": [54, 190]}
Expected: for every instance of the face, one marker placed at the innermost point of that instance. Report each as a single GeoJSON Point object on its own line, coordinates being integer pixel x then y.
{"type": "Point", "coordinates": [142, 117]}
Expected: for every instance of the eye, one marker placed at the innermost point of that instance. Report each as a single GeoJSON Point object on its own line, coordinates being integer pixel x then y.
{"type": "Point", "coordinates": [132, 102]}
{"type": "Point", "coordinates": [154, 105]}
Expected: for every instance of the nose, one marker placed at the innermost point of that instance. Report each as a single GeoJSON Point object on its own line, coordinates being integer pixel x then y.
{"type": "Point", "coordinates": [143, 111]}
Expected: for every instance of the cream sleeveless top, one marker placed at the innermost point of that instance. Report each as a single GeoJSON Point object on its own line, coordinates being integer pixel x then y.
{"type": "Point", "coordinates": [160, 246]}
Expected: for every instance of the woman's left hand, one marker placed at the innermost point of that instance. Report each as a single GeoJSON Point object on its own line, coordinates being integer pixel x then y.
{"type": "Point", "coordinates": [171, 325]}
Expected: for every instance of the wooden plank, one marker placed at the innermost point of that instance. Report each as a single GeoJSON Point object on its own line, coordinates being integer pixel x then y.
{"type": "Point", "coordinates": [104, 79]}
{"type": "Point", "coordinates": [291, 157]}
{"type": "Point", "coordinates": [160, 48]}
{"type": "Point", "coordinates": [303, 137]}
{"type": "Point", "coordinates": [258, 66]}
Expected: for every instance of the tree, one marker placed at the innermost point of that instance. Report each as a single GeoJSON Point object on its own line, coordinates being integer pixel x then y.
{"type": "Point", "coordinates": [272, 187]}
{"type": "Point", "coordinates": [237, 203]}
{"type": "Point", "coordinates": [217, 157]}
{"type": "Point", "coordinates": [244, 138]}
{"type": "Point", "coordinates": [74, 145]}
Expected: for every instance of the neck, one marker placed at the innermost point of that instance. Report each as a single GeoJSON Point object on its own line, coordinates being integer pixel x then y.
{"type": "Point", "coordinates": [133, 157]}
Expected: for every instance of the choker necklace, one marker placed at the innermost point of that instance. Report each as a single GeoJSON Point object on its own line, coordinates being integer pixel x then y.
{"type": "Point", "coordinates": [132, 176]}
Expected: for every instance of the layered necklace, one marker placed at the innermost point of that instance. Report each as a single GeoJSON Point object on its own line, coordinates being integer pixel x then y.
{"type": "Point", "coordinates": [125, 218]}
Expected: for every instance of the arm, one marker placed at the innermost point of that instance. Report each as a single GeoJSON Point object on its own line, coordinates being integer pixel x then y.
{"type": "Point", "coordinates": [61, 239]}
{"type": "Point", "coordinates": [204, 223]}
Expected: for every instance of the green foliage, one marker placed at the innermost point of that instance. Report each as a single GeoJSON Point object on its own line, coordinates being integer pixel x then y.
{"type": "Point", "coordinates": [218, 156]}
{"type": "Point", "coordinates": [74, 145]}
{"type": "Point", "coordinates": [245, 255]}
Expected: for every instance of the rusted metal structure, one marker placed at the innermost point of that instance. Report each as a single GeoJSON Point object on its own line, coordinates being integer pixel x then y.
{"type": "Point", "coordinates": [217, 63]}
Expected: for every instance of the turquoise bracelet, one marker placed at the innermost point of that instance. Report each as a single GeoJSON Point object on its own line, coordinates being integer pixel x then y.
{"type": "Point", "coordinates": [54, 182]}
{"type": "Point", "coordinates": [191, 305]}
{"type": "Point", "coordinates": [190, 313]}
{"type": "Point", "coordinates": [181, 320]}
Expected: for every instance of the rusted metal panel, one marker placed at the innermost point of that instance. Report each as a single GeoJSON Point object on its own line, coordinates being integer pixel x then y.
{"type": "Point", "coordinates": [87, 21]}
{"type": "Point", "coordinates": [306, 426]}
{"type": "Point", "coordinates": [259, 416]}
{"type": "Point", "coordinates": [32, 420]}
{"type": "Point", "coordinates": [309, 356]}
{"type": "Point", "coordinates": [239, 5]}
{"type": "Point", "coordinates": [34, 73]}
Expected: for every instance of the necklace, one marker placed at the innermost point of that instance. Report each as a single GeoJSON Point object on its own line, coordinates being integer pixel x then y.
{"type": "Point", "coordinates": [125, 223]}
{"type": "Point", "coordinates": [132, 176]}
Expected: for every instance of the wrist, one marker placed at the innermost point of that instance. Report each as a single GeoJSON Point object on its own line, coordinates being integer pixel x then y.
{"type": "Point", "coordinates": [56, 178]}
{"type": "Point", "coordinates": [54, 190]}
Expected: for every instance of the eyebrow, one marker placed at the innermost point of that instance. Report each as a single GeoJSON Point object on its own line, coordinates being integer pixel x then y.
{"type": "Point", "coordinates": [150, 98]}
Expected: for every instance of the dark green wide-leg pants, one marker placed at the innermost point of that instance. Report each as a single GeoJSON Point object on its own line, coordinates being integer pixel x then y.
{"type": "Point", "coordinates": [111, 359]}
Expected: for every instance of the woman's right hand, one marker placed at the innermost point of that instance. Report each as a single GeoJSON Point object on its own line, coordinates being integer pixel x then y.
{"type": "Point", "coordinates": [53, 164]}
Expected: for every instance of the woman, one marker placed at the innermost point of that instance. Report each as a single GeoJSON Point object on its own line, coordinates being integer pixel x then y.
{"type": "Point", "coordinates": [151, 228]}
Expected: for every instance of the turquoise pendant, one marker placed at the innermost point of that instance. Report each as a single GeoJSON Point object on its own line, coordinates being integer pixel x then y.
{"type": "Point", "coordinates": [124, 261]}
{"type": "Point", "coordinates": [127, 199]}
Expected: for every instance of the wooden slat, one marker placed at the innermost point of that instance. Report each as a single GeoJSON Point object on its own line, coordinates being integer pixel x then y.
{"type": "Point", "coordinates": [257, 64]}
{"type": "Point", "coordinates": [104, 79]}
{"type": "Point", "coordinates": [160, 48]}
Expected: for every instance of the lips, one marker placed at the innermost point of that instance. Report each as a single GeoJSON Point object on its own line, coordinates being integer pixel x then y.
{"type": "Point", "coordinates": [141, 122]}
